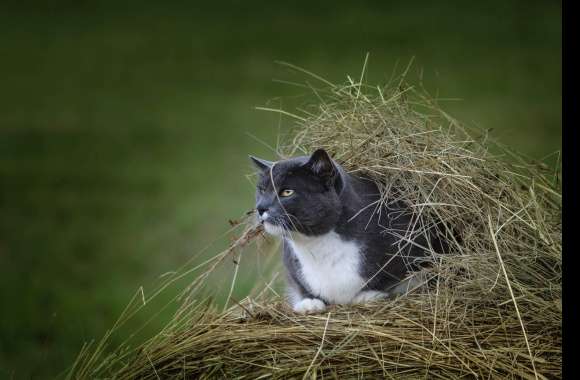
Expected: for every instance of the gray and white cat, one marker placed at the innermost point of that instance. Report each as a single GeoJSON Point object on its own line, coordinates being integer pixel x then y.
{"type": "Point", "coordinates": [341, 244]}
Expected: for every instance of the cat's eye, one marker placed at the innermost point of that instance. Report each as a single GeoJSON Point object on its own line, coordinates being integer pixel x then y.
{"type": "Point", "coordinates": [286, 192]}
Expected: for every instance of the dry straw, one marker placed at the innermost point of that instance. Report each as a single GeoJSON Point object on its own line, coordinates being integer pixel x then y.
{"type": "Point", "coordinates": [489, 309]}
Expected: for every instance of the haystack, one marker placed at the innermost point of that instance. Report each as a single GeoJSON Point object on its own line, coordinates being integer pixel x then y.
{"type": "Point", "coordinates": [490, 309]}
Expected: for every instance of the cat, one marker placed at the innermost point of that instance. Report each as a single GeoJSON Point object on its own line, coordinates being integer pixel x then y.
{"type": "Point", "coordinates": [341, 244]}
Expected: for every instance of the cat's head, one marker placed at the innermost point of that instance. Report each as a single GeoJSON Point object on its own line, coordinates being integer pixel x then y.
{"type": "Point", "coordinates": [299, 194]}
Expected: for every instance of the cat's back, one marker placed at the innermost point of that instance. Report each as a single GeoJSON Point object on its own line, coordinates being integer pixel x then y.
{"type": "Point", "coordinates": [367, 214]}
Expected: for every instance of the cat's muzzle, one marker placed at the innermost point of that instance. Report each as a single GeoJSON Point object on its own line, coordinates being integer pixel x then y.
{"type": "Point", "coordinates": [273, 229]}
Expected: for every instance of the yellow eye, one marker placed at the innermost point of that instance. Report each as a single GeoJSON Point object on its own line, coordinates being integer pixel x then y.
{"type": "Point", "coordinates": [286, 192]}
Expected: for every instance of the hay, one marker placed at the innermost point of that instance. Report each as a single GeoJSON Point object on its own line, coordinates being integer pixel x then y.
{"type": "Point", "coordinates": [491, 309]}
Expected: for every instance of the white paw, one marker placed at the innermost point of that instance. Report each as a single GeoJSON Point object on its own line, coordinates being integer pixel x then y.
{"type": "Point", "coordinates": [369, 296]}
{"type": "Point", "coordinates": [309, 305]}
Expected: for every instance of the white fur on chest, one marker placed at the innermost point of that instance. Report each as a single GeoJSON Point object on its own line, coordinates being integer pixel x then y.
{"type": "Point", "coordinates": [330, 266]}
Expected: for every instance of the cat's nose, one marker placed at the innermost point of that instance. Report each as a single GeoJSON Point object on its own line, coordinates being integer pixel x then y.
{"type": "Point", "coordinates": [262, 210]}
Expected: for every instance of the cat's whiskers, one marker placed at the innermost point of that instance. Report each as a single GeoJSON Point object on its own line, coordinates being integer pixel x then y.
{"type": "Point", "coordinates": [290, 216]}
{"type": "Point", "coordinates": [288, 233]}
{"type": "Point", "coordinates": [284, 227]}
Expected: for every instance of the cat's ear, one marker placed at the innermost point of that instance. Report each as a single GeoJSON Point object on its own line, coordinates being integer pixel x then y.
{"type": "Point", "coordinates": [321, 164]}
{"type": "Point", "coordinates": [262, 165]}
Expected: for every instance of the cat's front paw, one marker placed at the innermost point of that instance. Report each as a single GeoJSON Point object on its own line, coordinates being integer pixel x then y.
{"type": "Point", "coordinates": [369, 296]}
{"type": "Point", "coordinates": [309, 305]}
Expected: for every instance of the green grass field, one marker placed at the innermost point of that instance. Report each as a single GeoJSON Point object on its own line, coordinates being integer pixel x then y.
{"type": "Point", "coordinates": [124, 131]}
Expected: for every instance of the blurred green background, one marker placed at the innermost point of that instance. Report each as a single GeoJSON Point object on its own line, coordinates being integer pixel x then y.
{"type": "Point", "coordinates": [124, 130]}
